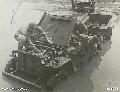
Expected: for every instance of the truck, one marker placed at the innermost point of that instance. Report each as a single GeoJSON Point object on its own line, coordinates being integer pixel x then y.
{"type": "Point", "coordinates": [83, 5]}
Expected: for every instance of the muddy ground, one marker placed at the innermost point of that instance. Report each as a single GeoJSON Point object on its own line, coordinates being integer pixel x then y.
{"type": "Point", "coordinates": [92, 77]}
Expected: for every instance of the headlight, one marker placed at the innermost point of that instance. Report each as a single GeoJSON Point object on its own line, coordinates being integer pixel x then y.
{"type": "Point", "coordinates": [71, 49]}
{"type": "Point", "coordinates": [42, 62]}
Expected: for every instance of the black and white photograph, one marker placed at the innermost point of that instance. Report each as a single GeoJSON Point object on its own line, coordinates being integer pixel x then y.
{"type": "Point", "coordinates": [59, 45]}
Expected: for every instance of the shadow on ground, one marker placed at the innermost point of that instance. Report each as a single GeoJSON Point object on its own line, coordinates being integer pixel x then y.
{"type": "Point", "coordinates": [78, 81]}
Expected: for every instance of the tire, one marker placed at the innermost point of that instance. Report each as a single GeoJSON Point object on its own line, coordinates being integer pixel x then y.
{"type": "Point", "coordinates": [51, 83]}
{"type": "Point", "coordinates": [90, 58]}
{"type": "Point", "coordinates": [63, 74]}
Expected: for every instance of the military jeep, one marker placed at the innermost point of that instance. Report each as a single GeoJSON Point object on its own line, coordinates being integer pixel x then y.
{"type": "Point", "coordinates": [49, 51]}
{"type": "Point", "coordinates": [83, 5]}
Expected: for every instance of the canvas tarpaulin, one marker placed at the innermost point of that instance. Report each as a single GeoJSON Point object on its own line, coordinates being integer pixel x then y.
{"type": "Point", "coordinates": [58, 28]}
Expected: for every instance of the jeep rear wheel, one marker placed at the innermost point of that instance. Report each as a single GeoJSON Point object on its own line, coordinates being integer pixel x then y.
{"type": "Point", "coordinates": [51, 83]}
